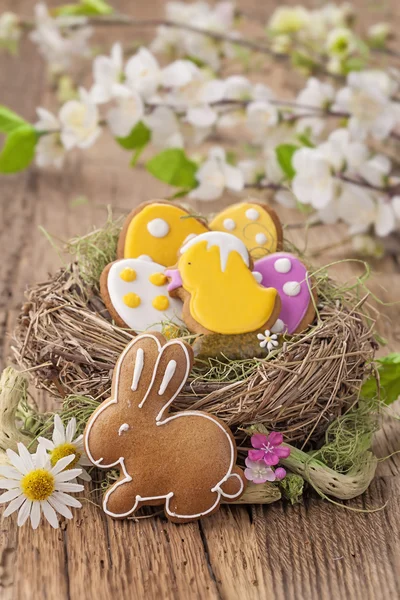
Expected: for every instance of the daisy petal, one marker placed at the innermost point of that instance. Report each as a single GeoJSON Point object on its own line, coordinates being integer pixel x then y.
{"type": "Point", "coordinates": [58, 432]}
{"type": "Point", "coordinates": [10, 495]}
{"type": "Point", "coordinates": [49, 513]}
{"type": "Point", "coordinates": [48, 444]}
{"type": "Point", "coordinates": [67, 499]}
{"type": "Point", "coordinates": [10, 472]}
{"type": "Point", "coordinates": [60, 507]}
{"type": "Point", "coordinates": [71, 430]}
{"type": "Point", "coordinates": [62, 464]}
{"type": "Point", "coordinates": [35, 515]}
{"type": "Point", "coordinates": [67, 475]}
{"type": "Point", "coordinates": [24, 512]}
{"type": "Point", "coordinates": [85, 476]}
{"type": "Point", "coordinates": [78, 442]}
{"type": "Point", "coordinates": [14, 505]}
{"type": "Point", "coordinates": [9, 484]}
{"type": "Point", "coordinates": [69, 487]}
{"type": "Point", "coordinates": [41, 457]}
{"type": "Point", "coordinates": [26, 456]}
{"type": "Point", "coordinates": [16, 461]}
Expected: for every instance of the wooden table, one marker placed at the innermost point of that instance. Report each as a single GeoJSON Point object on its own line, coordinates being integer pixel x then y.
{"type": "Point", "coordinates": [315, 550]}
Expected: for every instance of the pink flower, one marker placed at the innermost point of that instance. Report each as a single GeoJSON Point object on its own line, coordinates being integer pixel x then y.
{"type": "Point", "coordinates": [258, 472]}
{"type": "Point", "coordinates": [268, 448]}
{"type": "Point", "coordinates": [280, 473]}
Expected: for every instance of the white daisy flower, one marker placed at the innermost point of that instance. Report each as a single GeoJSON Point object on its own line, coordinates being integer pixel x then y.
{"type": "Point", "coordinates": [34, 486]}
{"type": "Point", "coordinates": [268, 340]}
{"type": "Point", "coordinates": [64, 443]}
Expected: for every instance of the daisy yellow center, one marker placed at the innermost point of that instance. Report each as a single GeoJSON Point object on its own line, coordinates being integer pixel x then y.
{"type": "Point", "coordinates": [64, 450]}
{"type": "Point", "coordinates": [38, 484]}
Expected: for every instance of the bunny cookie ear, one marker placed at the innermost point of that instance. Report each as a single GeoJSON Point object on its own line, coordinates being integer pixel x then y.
{"type": "Point", "coordinates": [135, 367]}
{"type": "Point", "coordinates": [171, 371]}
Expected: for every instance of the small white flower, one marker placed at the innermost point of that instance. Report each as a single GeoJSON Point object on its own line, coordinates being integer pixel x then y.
{"type": "Point", "coordinates": [164, 127]}
{"type": "Point", "coordinates": [341, 42]}
{"type": "Point", "coordinates": [288, 20]}
{"type": "Point", "coordinates": [252, 170]}
{"type": "Point", "coordinates": [49, 149]}
{"type": "Point", "coordinates": [376, 170]}
{"type": "Point", "coordinates": [143, 73]}
{"type": "Point", "coordinates": [313, 183]}
{"type": "Point", "coordinates": [107, 73]}
{"type": "Point", "coordinates": [35, 487]}
{"type": "Point", "coordinates": [65, 443]}
{"type": "Point", "coordinates": [268, 340]}
{"type": "Point", "coordinates": [215, 175]}
{"type": "Point", "coordinates": [79, 122]}
{"type": "Point", "coordinates": [58, 42]}
{"type": "Point", "coordinates": [317, 94]}
{"type": "Point", "coordinates": [360, 209]}
{"type": "Point", "coordinates": [238, 87]}
{"type": "Point", "coordinates": [379, 33]}
{"type": "Point", "coordinates": [261, 116]}
{"type": "Point", "coordinates": [396, 206]}
{"type": "Point", "coordinates": [10, 29]}
{"type": "Point", "coordinates": [342, 152]}
{"type": "Point", "coordinates": [366, 99]}
{"type": "Point", "coordinates": [127, 112]}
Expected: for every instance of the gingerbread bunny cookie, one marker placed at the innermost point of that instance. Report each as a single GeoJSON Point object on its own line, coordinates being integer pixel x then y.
{"type": "Point", "coordinates": [185, 461]}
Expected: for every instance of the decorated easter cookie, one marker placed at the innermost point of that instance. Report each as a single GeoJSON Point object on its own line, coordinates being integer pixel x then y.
{"type": "Point", "coordinates": [135, 294]}
{"type": "Point", "coordinates": [219, 291]}
{"type": "Point", "coordinates": [155, 231]}
{"type": "Point", "coordinates": [185, 461]}
{"type": "Point", "coordinates": [257, 225]}
{"type": "Point", "coordinates": [288, 275]}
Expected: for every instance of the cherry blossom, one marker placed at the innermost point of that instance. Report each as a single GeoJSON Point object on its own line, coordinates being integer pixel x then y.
{"type": "Point", "coordinates": [215, 175]}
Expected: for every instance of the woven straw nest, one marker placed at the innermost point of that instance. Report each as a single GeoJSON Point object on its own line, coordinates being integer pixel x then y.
{"type": "Point", "coordinates": [66, 339]}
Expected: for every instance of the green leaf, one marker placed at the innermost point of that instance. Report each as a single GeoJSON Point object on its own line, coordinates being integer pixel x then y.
{"type": "Point", "coordinates": [389, 375]}
{"type": "Point", "coordinates": [138, 137]}
{"type": "Point", "coordinates": [305, 140]}
{"type": "Point", "coordinates": [86, 8]}
{"type": "Point", "coordinates": [173, 167]}
{"type": "Point", "coordinates": [284, 155]}
{"type": "Point", "coordinates": [9, 120]}
{"type": "Point", "coordinates": [19, 149]}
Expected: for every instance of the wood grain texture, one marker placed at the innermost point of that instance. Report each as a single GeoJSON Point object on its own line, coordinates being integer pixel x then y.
{"type": "Point", "coordinates": [313, 551]}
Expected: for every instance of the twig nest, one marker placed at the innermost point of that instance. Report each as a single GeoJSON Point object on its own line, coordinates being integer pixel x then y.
{"type": "Point", "coordinates": [66, 338]}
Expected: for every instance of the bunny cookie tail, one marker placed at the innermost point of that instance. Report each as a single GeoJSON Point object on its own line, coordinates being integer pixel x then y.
{"type": "Point", "coordinates": [234, 486]}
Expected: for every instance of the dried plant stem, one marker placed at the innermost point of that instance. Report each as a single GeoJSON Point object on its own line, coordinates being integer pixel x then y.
{"type": "Point", "coordinates": [13, 390]}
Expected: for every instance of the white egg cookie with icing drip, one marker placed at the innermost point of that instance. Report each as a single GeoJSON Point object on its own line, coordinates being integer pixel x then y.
{"type": "Point", "coordinates": [220, 293]}
{"type": "Point", "coordinates": [155, 231]}
{"type": "Point", "coordinates": [255, 224]}
{"type": "Point", "coordinates": [135, 294]}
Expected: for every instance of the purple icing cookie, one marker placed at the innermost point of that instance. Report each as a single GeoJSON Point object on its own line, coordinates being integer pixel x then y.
{"type": "Point", "coordinates": [287, 274]}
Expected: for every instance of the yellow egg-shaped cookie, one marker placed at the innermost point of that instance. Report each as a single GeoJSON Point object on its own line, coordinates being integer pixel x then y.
{"type": "Point", "coordinates": [256, 225]}
{"type": "Point", "coordinates": [155, 231]}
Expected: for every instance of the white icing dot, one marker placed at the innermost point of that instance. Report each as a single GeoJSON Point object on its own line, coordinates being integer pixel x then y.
{"type": "Point", "coordinates": [257, 276]}
{"type": "Point", "coordinates": [145, 257]}
{"type": "Point", "coordinates": [158, 228]}
{"type": "Point", "coordinates": [229, 224]}
{"type": "Point", "coordinates": [291, 288]}
{"type": "Point", "coordinates": [124, 427]}
{"type": "Point", "coordinates": [261, 238]}
{"type": "Point", "coordinates": [278, 327]}
{"type": "Point", "coordinates": [282, 265]}
{"type": "Point", "coordinates": [252, 214]}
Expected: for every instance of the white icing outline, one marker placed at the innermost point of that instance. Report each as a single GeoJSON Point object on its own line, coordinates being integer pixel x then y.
{"type": "Point", "coordinates": [121, 461]}
{"type": "Point", "coordinates": [137, 371]}
{"type": "Point", "coordinates": [168, 375]}
{"type": "Point", "coordinates": [226, 243]}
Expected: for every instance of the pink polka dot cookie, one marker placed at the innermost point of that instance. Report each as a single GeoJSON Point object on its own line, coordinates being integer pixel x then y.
{"type": "Point", "coordinates": [136, 296]}
{"type": "Point", "coordinates": [287, 274]}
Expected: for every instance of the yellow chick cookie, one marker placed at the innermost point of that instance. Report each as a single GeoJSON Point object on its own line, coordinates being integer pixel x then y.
{"type": "Point", "coordinates": [155, 231]}
{"type": "Point", "coordinates": [220, 293]}
{"type": "Point", "coordinates": [257, 225]}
